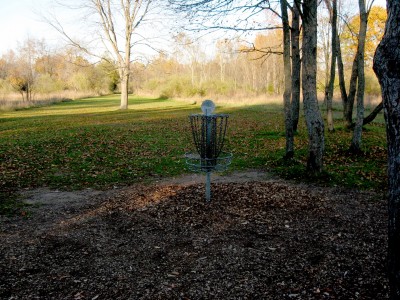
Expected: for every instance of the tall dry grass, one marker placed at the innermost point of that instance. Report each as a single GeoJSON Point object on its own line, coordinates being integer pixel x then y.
{"type": "Point", "coordinates": [370, 101]}
{"type": "Point", "coordinates": [13, 101]}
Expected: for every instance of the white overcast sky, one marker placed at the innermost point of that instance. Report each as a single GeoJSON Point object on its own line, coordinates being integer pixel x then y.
{"type": "Point", "coordinates": [18, 21]}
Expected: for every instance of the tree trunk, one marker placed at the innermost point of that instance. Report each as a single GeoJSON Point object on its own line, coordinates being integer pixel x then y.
{"type": "Point", "coordinates": [221, 68]}
{"type": "Point", "coordinates": [348, 109]}
{"type": "Point", "coordinates": [329, 90]}
{"type": "Point", "coordinates": [357, 134]}
{"type": "Point", "coordinates": [314, 122]}
{"type": "Point", "coordinates": [387, 69]}
{"type": "Point", "coordinates": [368, 119]}
{"type": "Point", "coordinates": [29, 92]}
{"type": "Point", "coordinates": [288, 82]}
{"type": "Point", "coordinates": [296, 65]}
{"type": "Point", "coordinates": [192, 72]}
{"type": "Point", "coordinates": [342, 82]}
{"type": "Point", "coordinates": [125, 63]}
{"type": "Point", "coordinates": [124, 91]}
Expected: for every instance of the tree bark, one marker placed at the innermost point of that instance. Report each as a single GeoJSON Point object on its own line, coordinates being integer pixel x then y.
{"type": "Point", "coordinates": [342, 82]}
{"type": "Point", "coordinates": [330, 86]}
{"type": "Point", "coordinates": [357, 133]}
{"type": "Point", "coordinates": [368, 119]}
{"type": "Point", "coordinates": [314, 122]}
{"type": "Point", "coordinates": [348, 109]}
{"type": "Point", "coordinates": [124, 91]}
{"type": "Point", "coordinates": [387, 69]}
{"type": "Point", "coordinates": [296, 65]}
{"type": "Point", "coordinates": [288, 82]}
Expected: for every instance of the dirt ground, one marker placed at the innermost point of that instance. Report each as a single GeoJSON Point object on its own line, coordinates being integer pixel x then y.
{"type": "Point", "coordinates": [259, 238]}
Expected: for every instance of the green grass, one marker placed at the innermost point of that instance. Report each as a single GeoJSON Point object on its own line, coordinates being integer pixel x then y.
{"type": "Point", "coordinates": [91, 143]}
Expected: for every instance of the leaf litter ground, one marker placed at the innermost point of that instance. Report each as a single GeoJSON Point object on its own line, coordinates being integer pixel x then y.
{"type": "Point", "coordinates": [258, 239]}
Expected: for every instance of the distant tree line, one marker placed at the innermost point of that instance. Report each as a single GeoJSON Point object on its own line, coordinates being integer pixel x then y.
{"type": "Point", "coordinates": [33, 70]}
{"type": "Point", "coordinates": [186, 69]}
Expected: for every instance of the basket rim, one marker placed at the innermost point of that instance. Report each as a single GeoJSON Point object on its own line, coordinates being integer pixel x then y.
{"type": "Point", "coordinates": [196, 156]}
{"type": "Point", "coordinates": [209, 116]}
{"type": "Point", "coordinates": [197, 164]}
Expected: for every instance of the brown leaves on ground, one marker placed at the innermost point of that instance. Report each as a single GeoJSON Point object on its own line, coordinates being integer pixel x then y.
{"type": "Point", "coordinates": [259, 240]}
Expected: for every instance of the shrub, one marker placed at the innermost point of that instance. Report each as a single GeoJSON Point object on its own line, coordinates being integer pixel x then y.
{"type": "Point", "coordinates": [46, 84]}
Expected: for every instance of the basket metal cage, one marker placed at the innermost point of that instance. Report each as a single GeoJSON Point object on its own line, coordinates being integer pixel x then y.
{"type": "Point", "coordinates": [208, 131]}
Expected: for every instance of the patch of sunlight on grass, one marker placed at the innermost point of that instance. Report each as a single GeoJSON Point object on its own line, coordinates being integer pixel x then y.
{"type": "Point", "coordinates": [97, 105]}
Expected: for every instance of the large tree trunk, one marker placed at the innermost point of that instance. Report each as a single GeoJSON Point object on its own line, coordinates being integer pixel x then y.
{"type": "Point", "coordinates": [124, 91]}
{"type": "Point", "coordinates": [296, 65]}
{"type": "Point", "coordinates": [314, 122]}
{"type": "Point", "coordinates": [357, 134]}
{"type": "Point", "coordinates": [288, 82]}
{"type": "Point", "coordinates": [124, 77]}
{"type": "Point", "coordinates": [387, 69]}
{"type": "Point", "coordinates": [330, 86]}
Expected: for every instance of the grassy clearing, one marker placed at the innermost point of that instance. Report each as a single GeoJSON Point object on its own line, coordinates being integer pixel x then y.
{"type": "Point", "coordinates": [91, 143]}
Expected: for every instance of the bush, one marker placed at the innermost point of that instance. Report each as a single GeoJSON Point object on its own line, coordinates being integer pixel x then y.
{"type": "Point", "coordinates": [177, 87]}
{"type": "Point", "coordinates": [46, 84]}
{"type": "Point", "coordinates": [80, 82]}
{"type": "Point", "coordinates": [181, 86]}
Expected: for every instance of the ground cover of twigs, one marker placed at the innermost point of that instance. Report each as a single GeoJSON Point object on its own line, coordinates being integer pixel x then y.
{"type": "Point", "coordinates": [256, 240]}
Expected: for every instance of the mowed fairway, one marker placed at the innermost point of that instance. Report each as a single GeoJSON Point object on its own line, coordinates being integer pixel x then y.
{"type": "Point", "coordinates": [91, 143]}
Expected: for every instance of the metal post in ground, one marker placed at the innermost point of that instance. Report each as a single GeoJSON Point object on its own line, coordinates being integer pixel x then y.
{"type": "Point", "coordinates": [208, 187]}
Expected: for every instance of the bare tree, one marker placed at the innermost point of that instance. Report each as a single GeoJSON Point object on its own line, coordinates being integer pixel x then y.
{"type": "Point", "coordinates": [287, 94]}
{"type": "Point", "coordinates": [223, 53]}
{"type": "Point", "coordinates": [387, 69]}
{"type": "Point", "coordinates": [329, 88]}
{"type": "Point", "coordinates": [349, 98]}
{"type": "Point", "coordinates": [116, 23]}
{"type": "Point", "coordinates": [190, 52]}
{"type": "Point", "coordinates": [22, 74]}
{"type": "Point", "coordinates": [296, 63]}
{"type": "Point", "coordinates": [353, 93]}
{"type": "Point", "coordinates": [357, 133]}
{"type": "Point", "coordinates": [342, 82]}
{"type": "Point", "coordinates": [314, 122]}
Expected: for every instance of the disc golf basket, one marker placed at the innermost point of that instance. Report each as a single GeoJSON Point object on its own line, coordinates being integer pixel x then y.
{"type": "Point", "coordinates": [208, 130]}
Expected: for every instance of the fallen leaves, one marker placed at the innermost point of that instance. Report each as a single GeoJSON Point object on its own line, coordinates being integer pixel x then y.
{"type": "Point", "coordinates": [270, 240]}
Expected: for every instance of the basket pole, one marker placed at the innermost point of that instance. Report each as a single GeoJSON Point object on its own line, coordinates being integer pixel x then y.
{"type": "Point", "coordinates": [208, 187]}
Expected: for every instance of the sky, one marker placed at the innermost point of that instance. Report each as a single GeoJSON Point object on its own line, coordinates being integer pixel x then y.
{"type": "Point", "coordinates": [19, 20]}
